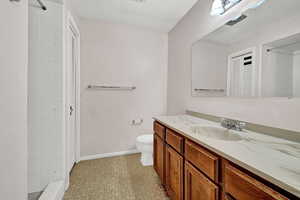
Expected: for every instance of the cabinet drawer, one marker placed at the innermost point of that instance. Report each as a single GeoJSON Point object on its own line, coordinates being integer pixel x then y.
{"type": "Point", "coordinates": [174, 140]}
{"type": "Point", "coordinates": [207, 162]}
{"type": "Point", "coordinates": [240, 186]}
{"type": "Point", "coordinates": [159, 130]}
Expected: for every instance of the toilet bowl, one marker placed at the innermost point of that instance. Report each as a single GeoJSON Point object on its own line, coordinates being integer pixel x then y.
{"type": "Point", "coordinates": [144, 144]}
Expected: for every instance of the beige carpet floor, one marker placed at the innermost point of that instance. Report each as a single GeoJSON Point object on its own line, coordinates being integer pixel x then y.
{"type": "Point", "coordinates": [117, 178]}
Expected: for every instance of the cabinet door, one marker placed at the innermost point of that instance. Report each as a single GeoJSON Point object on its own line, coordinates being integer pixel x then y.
{"type": "Point", "coordinates": [197, 186]}
{"type": "Point", "coordinates": [240, 186]}
{"type": "Point", "coordinates": [158, 156]}
{"type": "Point", "coordinates": [174, 174]}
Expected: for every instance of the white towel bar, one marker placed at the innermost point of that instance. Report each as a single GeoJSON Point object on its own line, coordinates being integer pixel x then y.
{"type": "Point", "coordinates": [102, 87]}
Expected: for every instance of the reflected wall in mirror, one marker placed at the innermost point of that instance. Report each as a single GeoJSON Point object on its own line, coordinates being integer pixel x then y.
{"type": "Point", "coordinates": [244, 58]}
{"type": "Point", "coordinates": [281, 68]}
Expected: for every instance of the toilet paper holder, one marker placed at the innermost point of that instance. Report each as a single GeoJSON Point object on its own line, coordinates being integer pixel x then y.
{"type": "Point", "coordinates": [136, 122]}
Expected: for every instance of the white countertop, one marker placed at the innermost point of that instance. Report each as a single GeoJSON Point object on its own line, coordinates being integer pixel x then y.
{"type": "Point", "coordinates": [274, 159]}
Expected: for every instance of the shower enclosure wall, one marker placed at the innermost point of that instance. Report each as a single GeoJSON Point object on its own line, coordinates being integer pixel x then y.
{"type": "Point", "coordinates": [45, 96]}
{"type": "Point", "coordinates": [281, 68]}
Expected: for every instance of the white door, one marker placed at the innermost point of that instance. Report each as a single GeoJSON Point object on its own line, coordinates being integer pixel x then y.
{"type": "Point", "coordinates": [235, 77]}
{"type": "Point", "coordinates": [241, 72]}
{"type": "Point", "coordinates": [72, 66]}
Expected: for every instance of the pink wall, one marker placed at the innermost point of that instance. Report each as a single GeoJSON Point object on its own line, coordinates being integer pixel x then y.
{"type": "Point", "coordinates": [119, 54]}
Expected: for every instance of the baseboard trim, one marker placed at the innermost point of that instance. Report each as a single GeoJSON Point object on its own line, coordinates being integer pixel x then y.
{"type": "Point", "coordinates": [107, 155]}
{"type": "Point", "coordinates": [54, 191]}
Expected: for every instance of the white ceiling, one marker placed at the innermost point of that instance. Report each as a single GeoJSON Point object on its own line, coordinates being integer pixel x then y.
{"type": "Point", "coordinates": [160, 15]}
{"type": "Point", "coordinates": [289, 44]}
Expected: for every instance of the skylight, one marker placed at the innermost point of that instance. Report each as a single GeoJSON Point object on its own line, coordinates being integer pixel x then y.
{"type": "Point", "coordinates": [219, 7]}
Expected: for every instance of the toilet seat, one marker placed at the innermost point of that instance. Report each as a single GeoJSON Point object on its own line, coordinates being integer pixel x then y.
{"type": "Point", "coordinates": [146, 139]}
{"type": "Point", "coordinates": [144, 144]}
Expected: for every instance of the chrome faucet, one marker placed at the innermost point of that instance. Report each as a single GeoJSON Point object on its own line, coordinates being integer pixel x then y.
{"type": "Point", "coordinates": [233, 124]}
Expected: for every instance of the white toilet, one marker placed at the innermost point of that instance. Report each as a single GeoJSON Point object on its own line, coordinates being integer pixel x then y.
{"type": "Point", "coordinates": [144, 144]}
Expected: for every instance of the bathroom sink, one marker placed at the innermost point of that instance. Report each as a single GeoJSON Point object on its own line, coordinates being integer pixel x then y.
{"type": "Point", "coordinates": [217, 133]}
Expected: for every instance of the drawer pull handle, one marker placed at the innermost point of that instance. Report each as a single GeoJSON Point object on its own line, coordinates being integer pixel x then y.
{"type": "Point", "coordinates": [229, 197]}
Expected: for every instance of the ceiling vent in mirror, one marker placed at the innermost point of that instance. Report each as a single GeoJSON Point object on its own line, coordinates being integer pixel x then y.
{"type": "Point", "coordinates": [237, 20]}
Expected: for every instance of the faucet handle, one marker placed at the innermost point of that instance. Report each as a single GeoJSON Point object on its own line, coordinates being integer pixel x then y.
{"type": "Point", "coordinates": [232, 124]}
{"type": "Point", "coordinates": [227, 123]}
{"type": "Point", "coordinates": [242, 124]}
{"type": "Point", "coordinates": [224, 121]}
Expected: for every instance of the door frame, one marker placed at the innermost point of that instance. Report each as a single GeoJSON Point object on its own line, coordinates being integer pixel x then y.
{"type": "Point", "coordinates": [254, 70]}
{"type": "Point", "coordinates": [72, 26]}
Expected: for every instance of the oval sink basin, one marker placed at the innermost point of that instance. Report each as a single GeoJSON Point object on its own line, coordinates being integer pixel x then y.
{"type": "Point", "coordinates": [217, 133]}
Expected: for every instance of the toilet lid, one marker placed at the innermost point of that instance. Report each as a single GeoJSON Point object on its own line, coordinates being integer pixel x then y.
{"type": "Point", "coordinates": [147, 139]}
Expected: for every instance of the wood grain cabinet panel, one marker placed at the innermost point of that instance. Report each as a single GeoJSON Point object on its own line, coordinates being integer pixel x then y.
{"type": "Point", "coordinates": [207, 162]}
{"type": "Point", "coordinates": [174, 140]}
{"type": "Point", "coordinates": [158, 157]}
{"type": "Point", "coordinates": [197, 186]}
{"type": "Point", "coordinates": [200, 174]}
{"type": "Point", "coordinates": [160, 130]}
{"type": "Point", "coordinates": [174, 174]}
{"type": "Point", "coordinates": [240, 186]}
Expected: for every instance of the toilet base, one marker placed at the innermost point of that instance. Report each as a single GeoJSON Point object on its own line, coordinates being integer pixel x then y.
{"type": "Point", "coordinates": [147, 159]}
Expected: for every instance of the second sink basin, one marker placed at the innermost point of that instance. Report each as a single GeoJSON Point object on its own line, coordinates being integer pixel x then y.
{"type": "Point", "coordinates": [217, 133]}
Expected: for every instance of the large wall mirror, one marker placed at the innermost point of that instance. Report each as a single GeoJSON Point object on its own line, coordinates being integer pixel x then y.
{"type": "Point", "coordinates": [254, 55]}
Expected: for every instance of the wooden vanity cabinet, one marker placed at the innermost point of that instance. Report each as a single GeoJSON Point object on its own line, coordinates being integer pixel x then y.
{"type": "Point", "coordinates": [159, 157]}
{"type": "Point", "coordinates": [198, 186]}
{"type": "Point", "coordinates": [174, 174]}
{"type": "Point", "coordinates": [189, 171]}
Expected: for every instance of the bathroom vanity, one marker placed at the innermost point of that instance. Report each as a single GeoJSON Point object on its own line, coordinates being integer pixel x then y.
{"type": "Point", "coordinates": [197, 159]}
{"type": "Point", "coordinates": [249, 57]}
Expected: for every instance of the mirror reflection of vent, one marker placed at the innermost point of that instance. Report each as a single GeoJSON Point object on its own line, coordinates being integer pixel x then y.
{"type": "Point", "coordinates": [248, 60]}
{"type": "Point", "coordinates": [237, 20]}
